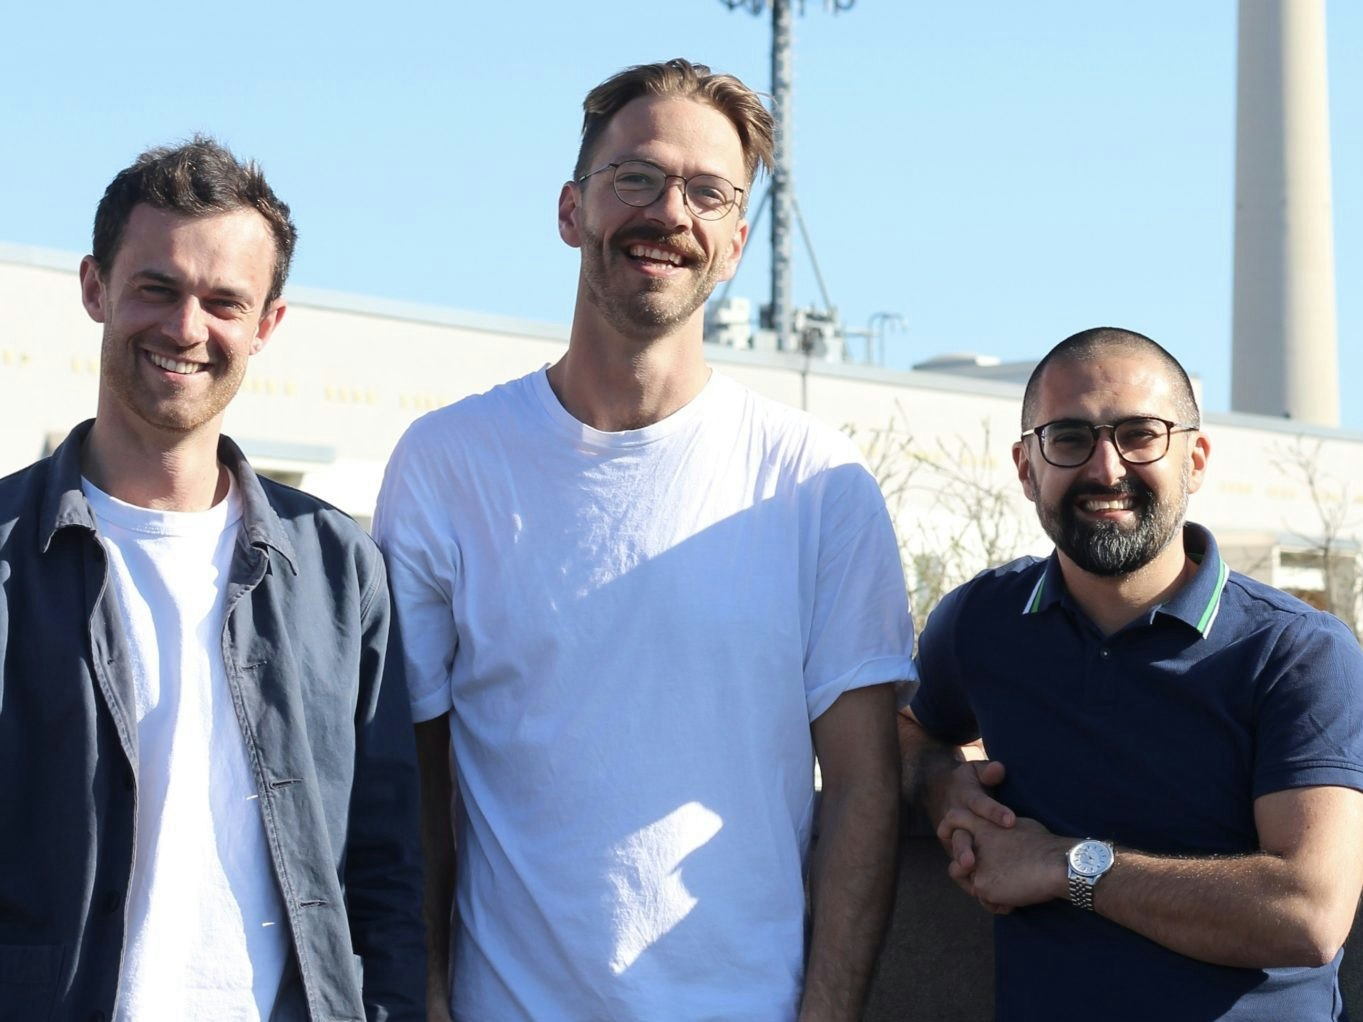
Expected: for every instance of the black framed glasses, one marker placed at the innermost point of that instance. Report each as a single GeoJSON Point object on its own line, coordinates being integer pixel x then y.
{"type": "Point", "coordinates": [1139, 440]}
{"type": "Point", "coordinates": [640, 183]}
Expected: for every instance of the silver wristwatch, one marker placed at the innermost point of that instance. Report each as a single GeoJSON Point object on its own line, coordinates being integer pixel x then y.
{"type": "Point", "coordinates": [1088, 862]}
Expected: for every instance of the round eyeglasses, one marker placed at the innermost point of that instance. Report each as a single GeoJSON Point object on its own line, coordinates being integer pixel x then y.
{"type": "Point", "coordinates": [1140, 440]}
{"type": "Point", "coordinates": [640, 183]}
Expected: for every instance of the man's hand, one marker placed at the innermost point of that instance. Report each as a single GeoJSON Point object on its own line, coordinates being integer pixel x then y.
{"type": "Point", "coordinates": [951, 785]}
{"type": "Point", "coordinates": [963, 800]}
{"type": "Point", "coordinates": [1022, 864]}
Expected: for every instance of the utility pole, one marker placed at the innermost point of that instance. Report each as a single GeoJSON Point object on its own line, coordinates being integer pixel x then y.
{"type": "Point", "coordinates": [780, 315]}
{"type": "Point", "coordinates": [782, 177]}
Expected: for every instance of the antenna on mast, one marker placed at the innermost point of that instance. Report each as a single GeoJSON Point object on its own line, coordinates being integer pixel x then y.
{"type": "Point", "coordinates": [780, 316]}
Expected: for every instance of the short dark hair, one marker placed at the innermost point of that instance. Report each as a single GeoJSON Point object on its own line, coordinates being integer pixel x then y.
{"type": "Point", "coordinates": [685, 80]}
{"type": "Point", "coordinates": [197, 178]}
{"type": "Point", "coordinates": [1091, 346]}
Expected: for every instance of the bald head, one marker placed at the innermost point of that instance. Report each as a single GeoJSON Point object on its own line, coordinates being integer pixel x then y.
{"type": "Point", "coordinates": [1103, 342]}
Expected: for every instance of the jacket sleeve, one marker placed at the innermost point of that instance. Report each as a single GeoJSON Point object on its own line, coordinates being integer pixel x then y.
{"type": "Point", "coordinates": [383, 863]}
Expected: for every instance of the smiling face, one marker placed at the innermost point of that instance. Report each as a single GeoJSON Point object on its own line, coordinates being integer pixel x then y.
{"type": "Point", "coordinates": [1106, 517]}
{"type": "Point", "coordinates": [646, 271]}
{"type": "Point", "coordinates": [183, 308]}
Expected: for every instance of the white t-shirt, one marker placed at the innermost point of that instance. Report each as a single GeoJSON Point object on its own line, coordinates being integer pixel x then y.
{"type": "Point", "coordinates": [207, 936]}
{"type": "Point", "coordinates": [632, 633]}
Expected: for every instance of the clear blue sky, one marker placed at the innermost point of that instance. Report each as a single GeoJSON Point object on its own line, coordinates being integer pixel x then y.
{"type": "Point", "coordinates": [999, 173]}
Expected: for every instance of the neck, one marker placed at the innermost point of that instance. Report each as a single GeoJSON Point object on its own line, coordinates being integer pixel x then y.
{"type": "Point", "coordinates": [1113, 602]}
{"type": "Point", "coordinates": [181, 476]}
{"type": "Point", "coordinates": [612, 383]}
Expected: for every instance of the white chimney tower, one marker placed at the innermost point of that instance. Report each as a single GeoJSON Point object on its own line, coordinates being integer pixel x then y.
{"type": "Point", "coordinates": [1284, 360]}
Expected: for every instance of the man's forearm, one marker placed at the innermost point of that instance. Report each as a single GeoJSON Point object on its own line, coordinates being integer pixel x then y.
{"type": "Point", "coordinates": [1290, 904]}
{"type": "Point", "coordinates": [925, 768]}
{"type": "Point", "coordinates": [1250, 911]}
{"type": "Point", "coordinates": [852, 888]}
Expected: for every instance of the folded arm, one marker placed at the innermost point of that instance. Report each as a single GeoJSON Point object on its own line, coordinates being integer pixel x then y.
{"type": "Point", "coordinates": [1292, 903]}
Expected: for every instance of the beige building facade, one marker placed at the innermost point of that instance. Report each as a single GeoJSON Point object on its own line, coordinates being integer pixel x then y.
{"type": "Point", "coordinates": [324, 403]}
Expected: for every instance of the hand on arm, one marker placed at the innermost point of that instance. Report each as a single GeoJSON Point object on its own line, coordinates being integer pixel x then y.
{"type": "Point", "coordinates": [437, 842]}
{"type": "Point", "coordinates": [950, 785]}
{"type": "Point", "coordinates": [852, 873]}
{"type": "Point", "coordinates": [1290, 904]}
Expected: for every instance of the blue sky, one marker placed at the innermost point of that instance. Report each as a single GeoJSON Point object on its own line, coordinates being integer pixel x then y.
{"type": "Point", "coordinates": [1000, 174]}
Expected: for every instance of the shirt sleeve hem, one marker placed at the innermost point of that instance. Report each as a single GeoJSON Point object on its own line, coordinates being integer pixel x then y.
{"type": "Point", "coordinates": [429, 707]}
{"type": "Point", "coordinates": [883, 670]}
{"type": "Point", "coordinates": [1322, 773]}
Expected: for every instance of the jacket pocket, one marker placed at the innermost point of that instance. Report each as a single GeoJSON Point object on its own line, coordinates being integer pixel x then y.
{"type": "Point", "coordinates": [28, 981]}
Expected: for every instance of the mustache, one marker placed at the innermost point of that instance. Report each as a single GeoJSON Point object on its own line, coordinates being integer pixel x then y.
{"type": "Point", "coordinates": [680, 242]}
{"type": "Point", "coordinates": [1127, 487]}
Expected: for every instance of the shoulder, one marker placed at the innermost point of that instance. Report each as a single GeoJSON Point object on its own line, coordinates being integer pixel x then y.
{"type": "Point", "coordinates": [1010, 588]}
{"type": "Point", "coordinates": [23, 496]}
{"type": "Point", "coordinates": [19, 490]}
{"type": "Point", "coordinates": [300, 511]}
{"type": "Point", "coordinates": [322, 541]}
{"type": "Point", "coordinates": [783, 428]}
{"type": "Point", "coordinates": [475, 414]}
{"type": "Point", "coordinates": [1295, 628]}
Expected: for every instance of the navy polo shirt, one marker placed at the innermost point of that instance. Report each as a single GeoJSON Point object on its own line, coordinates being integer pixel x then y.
{"type": "Point", "coordinates": [1159, 737]}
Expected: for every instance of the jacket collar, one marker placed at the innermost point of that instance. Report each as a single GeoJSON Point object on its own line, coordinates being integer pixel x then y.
{"type": "Point", "coordinates": [63, 503]}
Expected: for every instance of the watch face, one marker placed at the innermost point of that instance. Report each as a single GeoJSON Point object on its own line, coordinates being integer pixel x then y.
{"type": "Point", "coordinates": [1090, 858]}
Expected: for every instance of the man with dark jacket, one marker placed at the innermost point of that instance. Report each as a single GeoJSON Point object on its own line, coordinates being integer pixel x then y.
{"type": "Point", "coordinates": [208, 803]}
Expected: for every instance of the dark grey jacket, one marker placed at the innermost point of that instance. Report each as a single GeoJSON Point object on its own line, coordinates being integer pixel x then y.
{"type": "Point", "coordinates": [324, 711]}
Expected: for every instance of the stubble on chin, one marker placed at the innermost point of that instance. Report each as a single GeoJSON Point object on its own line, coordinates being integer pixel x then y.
{"type": "Point", "coordinates": [650, 308]}
{"type": "Point", "coordinates": [124, 382]}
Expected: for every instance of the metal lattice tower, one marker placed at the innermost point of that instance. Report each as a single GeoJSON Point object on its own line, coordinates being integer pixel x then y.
{"type": "Point", "coordinates": [782, 192]}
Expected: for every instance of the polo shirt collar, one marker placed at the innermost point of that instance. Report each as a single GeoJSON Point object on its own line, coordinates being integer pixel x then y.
{"type": "Point", "coordinates": [1196, 604]}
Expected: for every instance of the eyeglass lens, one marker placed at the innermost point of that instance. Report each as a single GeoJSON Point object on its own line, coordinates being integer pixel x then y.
{"type": "Point", "coordinates": [1139, 441]}
{"type": "Point", "coordinates": [639, 184]}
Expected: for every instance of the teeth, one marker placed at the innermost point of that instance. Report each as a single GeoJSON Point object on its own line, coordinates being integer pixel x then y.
{"type": "Point", "coordinates": [658, 255]}
{"type": "Point", "coordinates": [170, 364]}
{"type": "Point", "coordinates": [1124, 504]}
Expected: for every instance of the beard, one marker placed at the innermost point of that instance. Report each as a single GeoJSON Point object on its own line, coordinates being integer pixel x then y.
{"type": "Point", "coordinates": [644, 307]}
{"type": "Point", "coordinates": [1108, 548]}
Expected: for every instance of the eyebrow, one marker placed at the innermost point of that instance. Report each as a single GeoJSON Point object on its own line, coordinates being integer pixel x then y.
{"type": "Point", "coordinates": [220, 290]}
{"type": "Point", "coordinates": [654, 163]}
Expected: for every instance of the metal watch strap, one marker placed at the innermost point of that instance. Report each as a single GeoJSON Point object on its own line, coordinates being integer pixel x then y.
{"type": "Point", "coordinates": [1081, 892]}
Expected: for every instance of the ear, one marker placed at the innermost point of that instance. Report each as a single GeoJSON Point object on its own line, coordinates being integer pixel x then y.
{"type": "Point", "coordinates": [92, 289]}
{"type": "Point", "coordinates": [1199, 450]}
{"type": "Point", "coordinates": [266, 327]}
{"type": "Point", "coordinates": [1023, 463]}
{"type": "Point", "coordinates": [568, 202]}
{"type": "Point", "coordinates": [735, 252]}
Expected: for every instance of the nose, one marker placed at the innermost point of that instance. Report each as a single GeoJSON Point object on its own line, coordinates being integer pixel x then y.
{"type": "Point", "coordinates": [1104, 463]}
{"type": "Point", "coordinates": [187, 324]}
{"type": "Point", "coordinates": [669, 208]}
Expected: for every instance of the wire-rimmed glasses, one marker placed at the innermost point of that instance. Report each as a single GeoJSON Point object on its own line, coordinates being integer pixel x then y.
{"type": "Point", "coordinates": [640, 183]}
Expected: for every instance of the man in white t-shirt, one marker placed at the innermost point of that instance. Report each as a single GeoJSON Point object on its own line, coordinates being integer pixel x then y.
{"type": "Point", "coordinates": [209, 804]}
{"type": "Point", "coordinates": [636, 600]}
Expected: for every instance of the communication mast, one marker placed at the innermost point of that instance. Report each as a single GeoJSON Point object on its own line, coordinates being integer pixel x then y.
{"type": "Point", "coordinates": [780, 316]}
